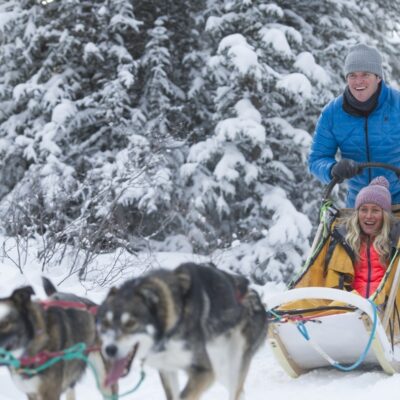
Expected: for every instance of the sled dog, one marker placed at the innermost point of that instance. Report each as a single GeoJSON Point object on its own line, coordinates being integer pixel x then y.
{"type": "Point", "coordinates": [196, 318]}
{"type": "Point", "coordinates": [27, 329]}
{"type": "Point", "coordinates": [98, 362]}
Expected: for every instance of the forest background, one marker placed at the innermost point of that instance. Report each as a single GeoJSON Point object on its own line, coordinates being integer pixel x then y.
{"type": "Point", "coordinates": [171, 126]}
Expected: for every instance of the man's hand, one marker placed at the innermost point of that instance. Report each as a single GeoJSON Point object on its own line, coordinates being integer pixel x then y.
{"type": "Point", "coordinates": [345, 169]}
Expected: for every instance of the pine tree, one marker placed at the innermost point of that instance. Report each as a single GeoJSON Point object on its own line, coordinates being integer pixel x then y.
{"type": "Point", "coordinates": [187, 122]}
{"type": "Point", "coordinates": [66, 82]}
{"type": "Point", "coordinates": [272, 69]}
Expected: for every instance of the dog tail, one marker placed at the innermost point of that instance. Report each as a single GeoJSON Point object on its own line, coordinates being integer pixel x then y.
{"type": "Point", "coordinates": [48, 286]}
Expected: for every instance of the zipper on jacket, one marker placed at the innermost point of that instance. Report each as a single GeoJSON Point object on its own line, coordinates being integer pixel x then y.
{"type": "Point", "coordinates": [369, 268]}
{"type": "Point", "coordinates": [367, 147]}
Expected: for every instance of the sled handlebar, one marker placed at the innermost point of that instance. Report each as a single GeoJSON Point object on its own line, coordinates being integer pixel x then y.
{"type": "Point", "coordinates": [362, 166]}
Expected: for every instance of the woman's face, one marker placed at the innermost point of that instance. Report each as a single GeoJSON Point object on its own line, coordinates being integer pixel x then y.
{"type": "Point", "coordinates": [370, 218]}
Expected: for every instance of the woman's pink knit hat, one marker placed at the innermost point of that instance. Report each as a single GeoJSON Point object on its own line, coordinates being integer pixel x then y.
{"type": "Point", "coordinates": [377, 192]}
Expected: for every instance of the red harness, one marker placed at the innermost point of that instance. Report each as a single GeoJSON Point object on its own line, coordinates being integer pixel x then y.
{"type": "Point", "coordinates": [46, 304]}
{"type": "Point", "coordinates": [44, 356]}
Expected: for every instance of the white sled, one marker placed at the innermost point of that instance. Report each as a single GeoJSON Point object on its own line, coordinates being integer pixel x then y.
{"type": "Point", "coordinates": [335, 340]}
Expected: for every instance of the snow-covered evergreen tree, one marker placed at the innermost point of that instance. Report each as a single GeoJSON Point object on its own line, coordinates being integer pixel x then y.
{"type": "Point", "coordinates": [235, 174]}
{"type": "Point", "coordinates": [173, 119]}
{"type": "Point", "coordinates": [71, 125]}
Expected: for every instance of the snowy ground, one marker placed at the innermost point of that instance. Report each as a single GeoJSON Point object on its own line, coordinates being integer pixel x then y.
{"type": "Point", "coordinates": [266, 379]}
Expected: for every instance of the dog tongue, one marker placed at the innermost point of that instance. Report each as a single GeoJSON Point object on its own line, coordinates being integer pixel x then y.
{"type": "Point", "coordinates": [116, 371]}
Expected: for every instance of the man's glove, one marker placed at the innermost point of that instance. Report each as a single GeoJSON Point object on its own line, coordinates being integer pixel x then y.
{"type": "Point", "coordinates": [345, 169]}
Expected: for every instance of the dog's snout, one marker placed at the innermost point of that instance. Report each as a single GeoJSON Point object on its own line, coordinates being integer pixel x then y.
{"type": "Point", "coordinates": [111, 350]}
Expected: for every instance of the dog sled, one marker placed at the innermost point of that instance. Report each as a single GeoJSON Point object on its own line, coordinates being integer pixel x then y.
{"type": "Point", "coordinates": [315, 325]}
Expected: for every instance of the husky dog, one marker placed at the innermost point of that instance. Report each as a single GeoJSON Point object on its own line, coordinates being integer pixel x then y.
{"type": "Point", "coordinates": [196, 318]}
{"type": "Point", "coordinates": [27, 329]}
{"type": "Point", "coordinates": [99, 363]}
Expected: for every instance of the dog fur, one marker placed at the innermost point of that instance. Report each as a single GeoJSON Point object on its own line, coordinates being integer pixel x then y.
{"type": "Point", "coordinates": [26, 329]}
{"type": "Point", "coordinates": [195, 318]}
{"type": "Point", "coordinates": [98, 362]}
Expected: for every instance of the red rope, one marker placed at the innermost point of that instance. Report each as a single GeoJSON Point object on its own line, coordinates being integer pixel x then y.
{"type": "Point", "coordinates": [300, 318]}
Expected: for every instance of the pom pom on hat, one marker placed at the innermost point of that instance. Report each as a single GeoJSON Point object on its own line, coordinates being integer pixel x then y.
{"type": "Point", "coordinates": [381, 181]}
{"type": "Point", "coordinates": [377, 192]}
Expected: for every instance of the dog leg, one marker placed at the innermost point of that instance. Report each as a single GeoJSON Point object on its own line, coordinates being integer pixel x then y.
{"type": "Point", "coordinates": [170, 384]}
{"type": "Point", "coordinates": [70, 395]}
{"type": "Point", "coordinates": [49, 395]}
{"type": "Point", "coordinates": [238, 393]}
{"type": "Point", "coordinates": [200, 379]}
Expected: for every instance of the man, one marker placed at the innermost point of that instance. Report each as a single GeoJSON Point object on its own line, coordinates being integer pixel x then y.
{"type": "Point", "coordinates": [363, 123]}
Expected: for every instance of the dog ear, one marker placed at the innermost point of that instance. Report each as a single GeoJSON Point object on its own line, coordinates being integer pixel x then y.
{"type": "Point", "coordinates": [111, 294]}
{"type": "Point", "coordinates": [22, 295]}
{"type": "Point", "coordinates": [48, 286]}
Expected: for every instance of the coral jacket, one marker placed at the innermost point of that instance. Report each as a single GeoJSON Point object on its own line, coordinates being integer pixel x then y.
{"type": "Point", "coordinates": [368, 270]}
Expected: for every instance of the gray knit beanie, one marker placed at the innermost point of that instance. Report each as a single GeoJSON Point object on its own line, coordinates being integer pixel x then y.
{"type": "Point", "coordinates": [377, 192]}
{"type": "Point", "coordinates": [363, 58]}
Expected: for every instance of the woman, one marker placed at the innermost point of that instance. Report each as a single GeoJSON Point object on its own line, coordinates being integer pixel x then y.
{"type": "Point", "coordinates": [371, 235]}
{"type": "Point", "coordinates": [371, 231]}
{"type": "Point", "coordinates": [360, 247]}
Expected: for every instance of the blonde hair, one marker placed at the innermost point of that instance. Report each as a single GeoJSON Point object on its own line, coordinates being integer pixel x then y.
{"type": "Point", "coordinates": [381, 242]}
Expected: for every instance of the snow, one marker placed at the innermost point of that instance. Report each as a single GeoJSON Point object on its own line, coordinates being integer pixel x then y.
{"type": "Point", "coordinates": [63, 111]}
{"type": "Point", "coordinates": [225, 168]}
{"type": "Point", "coordinates": [6, 18]}
{"type": "Point", "coordinates": [120, 20]}
{"type": "Point", "coordinates": [242, 54]}
{"type": "Point", "coordinates": [305, 62]}
{"type": "Point", "coordinates": [247, 124]}
{"type": "Point", "coordinates": [296, 83]}
{"type": "Point", "coordinates": [266, 379]}
{"type": "Point", "coordinates": [91, 50]}
{"type": "Point", "coordinates": [289, 223]}
{"type": "Point", "coordinates": [276, 39]}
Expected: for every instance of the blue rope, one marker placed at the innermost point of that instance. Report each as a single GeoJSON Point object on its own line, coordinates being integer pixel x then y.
{"type": "Point", "coordinates": [367, 347]}
{"type": "Point", "coordinates": [303, 330]}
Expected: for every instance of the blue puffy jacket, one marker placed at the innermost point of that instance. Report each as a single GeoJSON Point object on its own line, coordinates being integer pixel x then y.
{"type": "Point", "coordinates": [375, 138]}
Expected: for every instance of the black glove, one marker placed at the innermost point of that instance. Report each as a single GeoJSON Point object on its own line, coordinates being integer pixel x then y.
{"type": "Point", "coordinates": [345, 169]}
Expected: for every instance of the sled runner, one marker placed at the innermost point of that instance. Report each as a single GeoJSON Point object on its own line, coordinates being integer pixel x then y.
{"type": "Point", "coordinates": [318, 322]}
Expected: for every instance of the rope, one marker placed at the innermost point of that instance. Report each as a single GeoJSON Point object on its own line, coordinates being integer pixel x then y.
{"type": "Point", "coordinates": [46, 359]}
{"type": "Point", "coordinates": [298, 314]}
{"type": "Point", "coordinates": [114, 396]}
{"type": "Point", "coordinates": [76, 352]}
{"type": "Point", "coordinates": [303, 330]}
